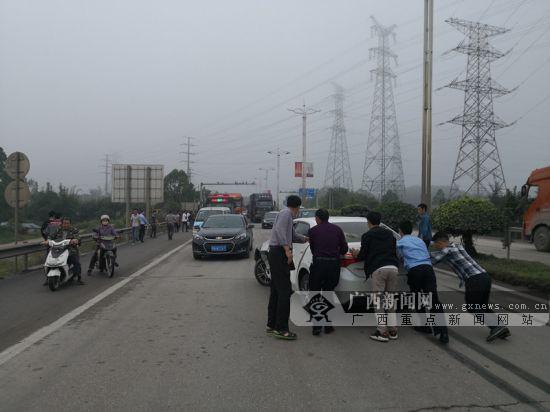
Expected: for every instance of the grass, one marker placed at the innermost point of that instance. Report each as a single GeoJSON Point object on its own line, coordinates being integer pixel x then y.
{"type": "Point", "coordinates": [534, 275]}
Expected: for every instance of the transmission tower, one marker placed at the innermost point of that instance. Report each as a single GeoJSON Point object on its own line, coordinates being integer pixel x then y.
{"type": "Point", "coordinates": [338, 173]}
{"type": "Point", "coordinates": [188, 153]}
{"type": "Point", "coordinates": [383, 170]}
{"type": "Point", "coordinates": [478, 161]}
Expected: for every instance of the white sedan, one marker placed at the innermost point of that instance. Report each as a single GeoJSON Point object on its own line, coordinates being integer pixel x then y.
{"type": "Point", "coordinates": [352, 274]}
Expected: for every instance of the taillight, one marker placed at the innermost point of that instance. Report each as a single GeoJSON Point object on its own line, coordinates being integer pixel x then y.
{"type": "Point", "coordinates": [347, 260]}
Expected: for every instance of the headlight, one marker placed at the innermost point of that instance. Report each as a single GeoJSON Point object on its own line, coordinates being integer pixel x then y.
{"type": "Point", "coordinates": [242, 236]}
{"type": "Point", "coordinates": [196, 236]}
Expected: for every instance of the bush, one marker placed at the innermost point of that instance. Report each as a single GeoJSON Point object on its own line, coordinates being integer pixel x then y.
{"type": "Point", "coordinates": [467, 217]}
{"type": "Point", "coordinates": [395, 212]}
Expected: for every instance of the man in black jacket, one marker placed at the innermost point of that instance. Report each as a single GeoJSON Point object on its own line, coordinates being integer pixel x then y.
{"type": "Point", "coordinates": [378, 250]}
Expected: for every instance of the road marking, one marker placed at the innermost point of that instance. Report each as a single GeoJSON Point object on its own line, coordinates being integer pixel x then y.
{"type": "Point", "coordinates": [47, 330]}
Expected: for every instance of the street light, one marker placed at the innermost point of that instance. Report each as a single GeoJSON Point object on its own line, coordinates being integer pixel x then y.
{"type": "Point", "coordinates": [278, 153]}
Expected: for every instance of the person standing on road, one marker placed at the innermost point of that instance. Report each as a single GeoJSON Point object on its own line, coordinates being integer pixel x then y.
{"type": "Point", "coordinates": [185, 221]}
{"type": "Point", "coordinates": [170, 224]}
{"type": "Point", "coordinates": [142, 225]}
{"type": "Point", "coordinates": [153, 233]}
{"type": "Point", "coordinates": [281, 263]}
{"type": "Point", "coordinates": [327, 242]}
{"type": "Point", "coordinates": [135, 223]}
{"type": "Point", "coordinates": [420, 275]}
{"type": "Point", "coordinates": [378, 250]}
{"type": "Point", "coordinates": [424, 224]}
{"type": "Point", "coordinates": [476, 280]}
{"type": "Point", "coordinates": [178, 221]}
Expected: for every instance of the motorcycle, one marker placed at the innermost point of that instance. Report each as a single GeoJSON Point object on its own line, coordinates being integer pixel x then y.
{"type": "Point", "coordinates": [262, 273]}
{"type": "Point", "coordinates": [58, 271]}
{"type": "Point", "coordinates": [106, 258]}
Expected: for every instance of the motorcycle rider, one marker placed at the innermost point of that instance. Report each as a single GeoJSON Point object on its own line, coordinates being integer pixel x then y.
{"type": "Point", "coordinates": [68, 231]}
{"type": "Point", "coordinates": [105, 229]}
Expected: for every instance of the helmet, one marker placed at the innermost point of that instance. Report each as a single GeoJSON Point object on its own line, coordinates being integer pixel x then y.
{"type": "Point", "coordinates": [103, 217]}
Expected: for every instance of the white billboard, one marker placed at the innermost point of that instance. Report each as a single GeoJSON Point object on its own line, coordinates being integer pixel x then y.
{"type": "Point", "coordinates": [133, 182]}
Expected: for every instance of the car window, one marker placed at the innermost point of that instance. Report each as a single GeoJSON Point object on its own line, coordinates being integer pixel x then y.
{"type": "Point", "coordinates": [353, 230]}
{"type": "Point", "coordinates": [224, 221]}
{"type": "Point", "coordinates": [302, 228]}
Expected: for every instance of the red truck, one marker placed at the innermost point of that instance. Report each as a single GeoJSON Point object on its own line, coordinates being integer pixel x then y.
{"type": "Point", "coordinates": [536, 219]}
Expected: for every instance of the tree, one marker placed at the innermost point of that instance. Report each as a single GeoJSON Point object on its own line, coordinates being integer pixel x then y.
{"type": "Point", "coordinates": [337, 198]}
{"type": "Point", "coordinates": [354, 210]}
{"type": "Point", "coordinates": [390, 196]}
{"type": "Point", "coordinates": [439, 198]}
{"type": "Point", "coordinates": [395, 212]}
{"type": "Point", "coordinates": [5, 210]}
{"type": "Point", "coordinates": [178, 189]}
{"type": "Point", "coordinates": [467, 217]}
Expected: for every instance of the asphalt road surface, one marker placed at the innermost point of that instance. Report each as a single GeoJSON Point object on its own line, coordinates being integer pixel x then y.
{"type": "Point", "coordinates": [519, 250]}
{"type": "Point", "coordinates": [181, 334]}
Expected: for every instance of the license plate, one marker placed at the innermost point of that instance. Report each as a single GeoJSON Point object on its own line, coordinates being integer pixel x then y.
{"type": "Point", "coordinates": [219, 248]}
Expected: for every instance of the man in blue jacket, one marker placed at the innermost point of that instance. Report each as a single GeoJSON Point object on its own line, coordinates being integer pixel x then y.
{"type": "Point", "coordinates": [420, 274]}
{"type": "Point", "coordinates": [424, 224]}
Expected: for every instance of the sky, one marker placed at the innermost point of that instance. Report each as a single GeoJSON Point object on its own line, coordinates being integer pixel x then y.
{"type": "Point", "coordinates": [132, 78]}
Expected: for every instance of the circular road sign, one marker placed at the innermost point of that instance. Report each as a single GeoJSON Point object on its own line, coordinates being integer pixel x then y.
{"type": "Point", "coordinates": [12, 164]}
{"type": "Point", "coordinates": [11, 193]}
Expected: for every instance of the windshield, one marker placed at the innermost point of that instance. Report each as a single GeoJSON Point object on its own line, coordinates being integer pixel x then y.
{"type": "Point", "coordinates": [203, 214]}
{"type": "Point", "coordinates": [271, 215]}
{"type": "Point", "coordinates": [224, 221]}
{"type": "Point", "coordinates": [353, 230]}
{"type": "Point", "coordinates": [307, 213]}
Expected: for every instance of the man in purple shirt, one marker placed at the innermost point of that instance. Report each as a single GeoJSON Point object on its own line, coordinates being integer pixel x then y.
{"type": "Point", "coordinates": [327, 242]}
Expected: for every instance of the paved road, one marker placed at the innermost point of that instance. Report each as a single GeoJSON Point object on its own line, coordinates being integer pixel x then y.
{"type": "Point", "coordinates": [520, 250]}
{"type": "Point", "coordinates": [189, 335]}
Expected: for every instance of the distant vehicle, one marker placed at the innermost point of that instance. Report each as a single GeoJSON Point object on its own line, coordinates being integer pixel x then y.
{"type": "Point", "coordinates": [269, 219]}
{"type": "Point", "coordinates": [203, 214]}
{"type": "Point", "coordinates": [536, 219]}
{"type": "Point", "coordinates": [259, 205]}
{"type": "Point", "coordinates": [352, 273]}
{"type": "Point", "coordinates": [307, 213]}
{"type": "Point", "coordinates": [227, 234]}
{"type": "Point", "coordinates": [234, 201]}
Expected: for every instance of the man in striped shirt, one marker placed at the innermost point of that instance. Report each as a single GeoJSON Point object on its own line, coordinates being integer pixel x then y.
{"type": "Point", "coordinates": [476, 280]}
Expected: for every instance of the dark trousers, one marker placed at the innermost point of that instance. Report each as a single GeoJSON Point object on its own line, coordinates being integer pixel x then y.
{"type": "Point", "coordinates": [74, 259]}
{"type": "Point", "coordinates": [170, 231]}
{"type": "Point", "coordinates": [153, 230]}
{"type": "Point", "coordinates": [141, 233]}
{"type": "Point", "coordinates": [324, 274]}
{"type": "Point", "coordinates": [278, 309]}
{"type": "Point", "coordinates": [478, 290]}
{"type": "Point", "coordinates": [422, 279]}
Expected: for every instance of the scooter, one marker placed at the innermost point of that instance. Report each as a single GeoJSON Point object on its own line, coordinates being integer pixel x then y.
{"type": "Point", "coordinates": [57, 270]}
{"type": "Point", "coordinates": [106, 254]}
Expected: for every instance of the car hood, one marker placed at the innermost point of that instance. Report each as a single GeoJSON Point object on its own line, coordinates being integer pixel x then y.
{"type": "Point", "coordinates": [217, 231]}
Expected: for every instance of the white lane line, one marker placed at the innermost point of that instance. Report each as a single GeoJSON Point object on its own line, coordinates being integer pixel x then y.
{"type": "Point", "coordinates": [30, 340]}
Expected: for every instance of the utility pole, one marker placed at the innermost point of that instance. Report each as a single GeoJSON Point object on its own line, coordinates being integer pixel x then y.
{"type": "Point", "coordinates": [304, 112]}
{"type": "Point", "coordinates": [188, 153]}
{"type": "Point", "coordinates": [278, 153]}
{"type": "Point", "coordinates": [478, 163]}
{"type": "Point", "coordinates": [383, 169]}
{"type": "Point", "coordinates": [426, 186]}
{"type": "Point", "coordinates": [107, 172]}
{"type": "Point", "coordinates": [266, 170]}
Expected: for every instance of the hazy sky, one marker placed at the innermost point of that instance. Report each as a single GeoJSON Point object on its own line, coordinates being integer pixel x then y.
{"type": "Point", "coordinates": [130, 78]}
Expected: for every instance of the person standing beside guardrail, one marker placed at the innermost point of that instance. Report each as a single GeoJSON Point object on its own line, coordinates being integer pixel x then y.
{"type": "Point", "coordinates": [135, 223]}
{"type": "Point", "coordinates": [153, 233]}
{"type": "Point", "coordinates": [170, 223]}
{"type": "Point", "coordinates": [424, 224]}
{"type": "Point", "coordinates": [142, 225]}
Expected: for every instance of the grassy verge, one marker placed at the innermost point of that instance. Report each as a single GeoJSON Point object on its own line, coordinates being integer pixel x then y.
{"type": "Point", "coordinates": [534, 275]}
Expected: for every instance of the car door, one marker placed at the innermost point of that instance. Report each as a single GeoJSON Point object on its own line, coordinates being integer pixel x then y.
{"type": "Point", "coordinates": [299, 249]}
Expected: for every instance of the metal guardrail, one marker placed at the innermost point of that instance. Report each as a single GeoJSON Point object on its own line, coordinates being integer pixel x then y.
{"type": "Point", "coordinates": [27, 249]}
